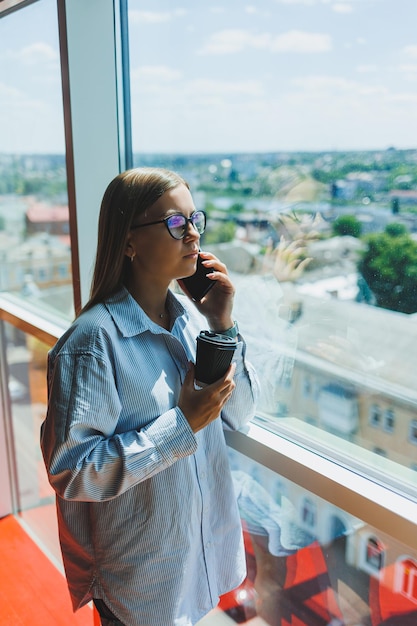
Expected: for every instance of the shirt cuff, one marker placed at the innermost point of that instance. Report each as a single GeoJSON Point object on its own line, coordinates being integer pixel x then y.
{"type": "Point", "coordinates": [172, 435]}
{"type": "Point", "coordinates": [239, 356]}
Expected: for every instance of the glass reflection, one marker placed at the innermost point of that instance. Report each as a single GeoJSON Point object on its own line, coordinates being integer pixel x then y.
{"type": "Point", "coordinates": [34, 221]}
{"type": "Point", "coordinates": [26, 366]}
{"type": "Point", "coordinates": [311, 564]}
{"type": "Point", "coordinates": [320, 241]}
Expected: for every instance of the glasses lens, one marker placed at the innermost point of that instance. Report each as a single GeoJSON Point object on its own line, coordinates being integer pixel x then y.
{"type": "Point", "coordinates": [176, 225]}
{"type": "Point", "coordinates": [199, 221]}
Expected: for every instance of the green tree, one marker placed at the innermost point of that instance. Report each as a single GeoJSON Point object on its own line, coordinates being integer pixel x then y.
{"type": "Point", "coordinates": [236, 207]}
{"type": "Point", "coordinates": [389, 267]}
{"type": "Point", "coordinates": [395, 229]}
{"type": "Point", "coordinates": [220, 232]}
{"type": "Point", "coordinates": [347, 225]}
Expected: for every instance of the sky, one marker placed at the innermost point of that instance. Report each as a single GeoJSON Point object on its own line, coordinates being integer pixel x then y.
{"type": "Point", "coordinates": [232, 76]}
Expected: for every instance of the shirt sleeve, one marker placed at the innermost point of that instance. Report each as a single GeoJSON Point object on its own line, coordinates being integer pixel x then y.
{"type": "Point", "coordinates": [85, 457]}
{"type": "Point", "coordinates": [241, 406]}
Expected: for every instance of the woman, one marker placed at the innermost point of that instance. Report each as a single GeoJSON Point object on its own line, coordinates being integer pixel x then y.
{"type": "Point", "coordinates": [148, 522]}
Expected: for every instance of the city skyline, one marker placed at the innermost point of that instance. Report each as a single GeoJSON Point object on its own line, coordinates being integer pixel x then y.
{"type": "Point", "coordinates": [281, 75]}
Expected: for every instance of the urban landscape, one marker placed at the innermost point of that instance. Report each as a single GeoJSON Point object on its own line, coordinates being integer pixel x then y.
{"type": "Point", "coordinates": [331, 348]}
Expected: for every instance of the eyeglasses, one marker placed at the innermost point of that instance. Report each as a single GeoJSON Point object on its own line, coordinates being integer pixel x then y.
{"type": "Point", "coordinates": [177, 224]}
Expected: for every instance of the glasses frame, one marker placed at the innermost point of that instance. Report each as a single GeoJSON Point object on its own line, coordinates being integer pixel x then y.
{"type": "Point", "coordinates": [188, 220]}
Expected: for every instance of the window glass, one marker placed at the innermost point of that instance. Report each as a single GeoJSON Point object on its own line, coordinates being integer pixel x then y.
{"type": "Point", "coordinates": [294, 123]}
{"type": "Point", "coordinates": [311, 563]}
{"type": "Point", "coordinates": [26, 376]}
{"type": "Point", "coordinates": [34, 235]}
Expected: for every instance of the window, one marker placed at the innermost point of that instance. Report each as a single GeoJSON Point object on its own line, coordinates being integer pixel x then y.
{"type": "Point", "coordinates": [380, 451]}
{"type": "Point", "coordinates": [375, 415]}
{"type": "Point", "coordinates": [374, 554]}
{"type": "Point", "coordinates": [413, 431]}
{"type": "Point", "coordinates": [272, 114]}
{"type": "Point", "coordinates": [33, 185]}
{"type": "Point", "coordinates": [278, 186]}
{"type": "Point", "coordinates": [309, 513]}
{"type": "Point", "coordinates": [408, 578]}
{"type": "Point", "coordinates": [389, 420]}
{"type": "Point", "coordinates": [307, 387]}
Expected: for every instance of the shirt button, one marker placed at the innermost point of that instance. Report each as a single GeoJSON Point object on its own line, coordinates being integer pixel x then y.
{"type": "Point", "coordinates": [208, 544]}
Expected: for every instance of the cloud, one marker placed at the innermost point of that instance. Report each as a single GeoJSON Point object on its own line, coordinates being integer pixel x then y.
{"type": "Point", "coordinates": [299, 41]}
{"type": "Point", "coordinates": [404, 98]}
{"type": "Point", "coordinates": [408, 72]}
{"type": "Point", "coordinates": [306, 2]}
{"type": "Point", "coordinates": [34, 54]}
{"type": "Point", "coordinates": [324, 83]}
{"type": "Point", "coordinates": [17, 105]}
{"type": "Point", "coordinates": [154, 17]}
{"type": "Point", "coordinates": [410, 51]}
{"type": "Point", "coordinates": [225, 88]}
{"type": "Point", "coordinates": [8, 92]}
{"type": "Point", "coordinates": [166, 82]}
{"type": "Point", "coordinates": [326, 87]}
{"type": "Point", "coordinates": [164, 87]}
{"type": "Point", "coordinates": [367, 68]}
{"type": "Point", "coordinates": [342, 7]}
{"type": "Point", "coordinates": [335, 5]}
{"type": "Point", "coordinates": [235, 40]}
{"type": "Point", "coordinates": [155, 72]}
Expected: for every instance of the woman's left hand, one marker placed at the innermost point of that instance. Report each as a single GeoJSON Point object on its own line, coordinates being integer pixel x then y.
{"type": "Point", "coordinates": [217, 304]}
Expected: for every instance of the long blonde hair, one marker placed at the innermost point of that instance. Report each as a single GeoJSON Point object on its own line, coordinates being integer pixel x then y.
{"type": "Point", "coordinates": [128, 195]}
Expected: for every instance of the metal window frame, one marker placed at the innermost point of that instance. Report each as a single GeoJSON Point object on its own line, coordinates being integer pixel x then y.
{"type": "Point", "coordinates": [358, 494]}
{"type": "Point", "coordinates": [8, 6]}
{"type": "Point", "coordinates": [96, 98]}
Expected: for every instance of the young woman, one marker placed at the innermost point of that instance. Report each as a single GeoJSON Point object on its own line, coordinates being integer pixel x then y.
{"type": "Point", "coordinates": [148, 521]}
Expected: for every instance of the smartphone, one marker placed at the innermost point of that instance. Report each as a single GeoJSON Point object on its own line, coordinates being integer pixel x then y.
{"type": "Point", "coordinates": [198, 284]}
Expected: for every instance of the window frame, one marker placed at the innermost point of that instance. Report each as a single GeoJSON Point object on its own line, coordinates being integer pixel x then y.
{"type": "Point", "coordinates": [8, 6]}
{"type": "Point", "coordinates": [361, 496]}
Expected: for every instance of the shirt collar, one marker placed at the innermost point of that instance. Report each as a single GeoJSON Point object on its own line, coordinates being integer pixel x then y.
{"type": "Point", "coordinates": [131, 319]}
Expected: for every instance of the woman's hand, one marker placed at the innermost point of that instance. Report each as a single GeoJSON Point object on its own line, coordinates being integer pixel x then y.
{"type": "Point", "coordinates": [202, 406]}
{"type": "Point", "coordinates": [217, 304]}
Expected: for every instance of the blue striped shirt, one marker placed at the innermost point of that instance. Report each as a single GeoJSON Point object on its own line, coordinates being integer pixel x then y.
{"type": "Point", "coordinates": [147, 513]}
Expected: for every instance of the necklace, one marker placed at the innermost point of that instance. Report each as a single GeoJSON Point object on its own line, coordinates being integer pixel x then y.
{"type": "Point", "coordinates": [164, 314]}
{"type": "Point", "coordinates": [160, 316]}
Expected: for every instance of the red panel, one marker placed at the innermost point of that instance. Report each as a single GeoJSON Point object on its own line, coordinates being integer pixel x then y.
{"type": "Point", "coordinates": [32, 590]}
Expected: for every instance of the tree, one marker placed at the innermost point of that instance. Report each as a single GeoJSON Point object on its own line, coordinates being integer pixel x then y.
{"type": "Point", "coordinates": [395, 229]}
{"type": "Point", "coordinates": [220, 232]}
{"type": "Point", "coordinates": [347, 225]}
{"type": "Point", "coordinates": [389, 267]}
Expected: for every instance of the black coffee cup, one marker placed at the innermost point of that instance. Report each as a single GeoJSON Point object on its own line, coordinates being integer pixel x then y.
{"type": "Point", "coordinates": [213, 357]}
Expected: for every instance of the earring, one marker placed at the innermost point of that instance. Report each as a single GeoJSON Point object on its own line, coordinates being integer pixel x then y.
{"type": "Point", "coordinates": [132, 257]}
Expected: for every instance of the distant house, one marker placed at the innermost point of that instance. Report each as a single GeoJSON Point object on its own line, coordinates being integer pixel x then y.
{"type": "Point", "coordinates": [356, 184]}
{"type": "Point", "coordinates": [333, 251]}
{"type": "Point", "coordinates": [40, 262]}
{"type": "Point", "coordinates": [403, 196]}
{"type": "Point", "coordinates": [52, 219]}
{"type": "Point", "coordinates": [355, 376]}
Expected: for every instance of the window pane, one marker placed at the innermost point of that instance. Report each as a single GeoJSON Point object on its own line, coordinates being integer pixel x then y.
{"type": "Point", "coordinates": [34, 221]}
{"type": "Point", "coordinates": [294, 124]}
{"type": "Point", "coordinates": [338, 570]}
{"type": "Point", "coordinates": [26, 373]}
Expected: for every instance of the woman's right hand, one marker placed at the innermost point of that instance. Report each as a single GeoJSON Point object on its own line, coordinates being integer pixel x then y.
{"type": "Point", "coordinates": [202, 406]}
